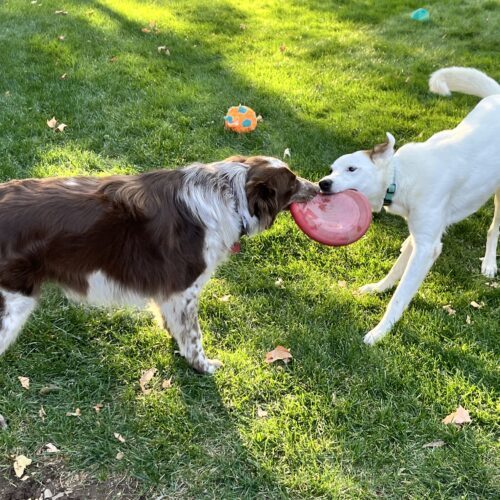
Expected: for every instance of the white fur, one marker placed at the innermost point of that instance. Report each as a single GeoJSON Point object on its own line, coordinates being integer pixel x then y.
{"type": "Point", "coordinates": [439, 182]}
{"type": "Point", "coordinates": [17, 308]}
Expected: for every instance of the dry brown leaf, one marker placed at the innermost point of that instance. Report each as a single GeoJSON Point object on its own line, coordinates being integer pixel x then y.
{"type": "Point", "coordinates": [61, 13]}
{"type": "Point", "coordinates": [63, 76]}
{"type": "Point", "coordinates": [60, 127]}
{"type": "Point", "coordinates": [279, 352]}
{"type": "Point", "coordinates": [41, 413]}
{"type": "Point", "coordinates": [225, 298]}
{"type": "Point", "coordinates": [146, 377]}
{"type": "Point", "coordinates": [113, 59]}
{"type": "Point", "coordinates": [162, 49]}
{"type": "Point", "coordinates": [167, 383]}
{"type": "Point", "coordinates": [61, 38]}
{"type": "Point", "coordinates": [261, 413]}
{"type": "Point", "coordinates": [50, 448]}
{"type": "Point", "coordinates": [75, 413]}
{"type": "Point", "coordinates": [25, 382]}
{"type": "Point", "coordinates": [282, 48]}
{"type": "Point", "coordinates": [52, 122]}
{"type": "Point", "coordinates": [20, 463]}
{"type": "Point", "coordinates": [119, 437]}
{"type": "Point", "coordinates": [48, 389]}
{"type": "Point", "coordinates": [279, 283]}
{"type": "Point", "coordinates": [98, 407]}
{"type": "Point", "coordinates": [120, 455]}
{"type": "Point", "coordinates": [468, 320]}
{"type": "Point", "coordinates": [449, 309]}
{"type": "Point", "coordinates": [475, 305]}
{"type": "Point", "coordinates": [435, 444]}
{"type": "Point", "coordinates": [146, 30]}
{"type": "Point", "coordinates": [243, 27]}
{"type": "Point", "coordinates": [342, 284]}
{"type": "Point", "coordinates": [459, 417]}
{"type": "Point", "coordinates": [260, 118]}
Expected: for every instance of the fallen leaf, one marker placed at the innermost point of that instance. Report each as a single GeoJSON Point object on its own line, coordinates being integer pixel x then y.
{"type": "Point", "coordinates": [279, 352]}
{"type": "Point", "coordinates": [63, 76]}
{"type": "Point", "coordinates": [119, 437]}
{"type": "Point", "coordinates": [494, 284]}
{"type": "Point", "coordinates": [25, 382]}
{"type": "Point", "coordinates": [3, 423]}
{"type": "Point", "coordinates": [113, 59]}
{"type": "Point", "coordinates": [20, 463]}
{"type": "Point", "coordinates": [76, 413]}
{"type": "Point", "coordinates": [243, 27]}
{"type": "Point", "coordinates": [468, 320]}
{"type": "Point", "coordinates": [61, 38]}
{"type": "Point", "coordinates": [459, 417]}
{"type": "Point", "coordinates": [261, 413]}
{"type": "Point", "coordinates": [286, 153]}
{"type": "Point", "coordinates": [162, 49]}
{"type": "Point", "coordinates": [61, 12]}
{"type": "Point", "coordinates": [259, 119]}
{"type": "Point", "coordinates": [449, 309]}
{"type": "Point", "coordinates": [342, 284]}
{"type": "Point", "coordinates": [146, 376]}
{"type": "Point", "coordinates": [50, 448]}
{"type": "Point", "coordinates": [146, 30]}
{"type": "Point", "coordinates": [52, 122]}
{"type": "Point", "coordinates": [41, 413]}
{"type": "Point", "coordinates": [60, 127]}
{"type": "Point", "coordinates": [48, 389]}
{"type": "Point", "coordinates": [225, 298]}
{"type": "Point", "coordinates": [98, 407]}
{"type": "Point", "coordinates": [435, 444]}
{"type": "Point", "coordinates": [475, 305]}
{"type": "Point", "coordinates": [167, 383]}
{"type": "Point", "coordinates": [282, 48]}
{"type": "Point", "coordinates": [120, 455]}
{"type": "Point", "coordinates": [47, 494]}
{"type": "Point", "coordinates": [279, 283]}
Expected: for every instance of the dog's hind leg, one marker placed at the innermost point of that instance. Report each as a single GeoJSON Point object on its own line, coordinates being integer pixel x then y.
{"type": "Point", "coordinates": [15, 309]}
{"type": "Point", "coordinates": [180, 314]}
{"type": "Point", "coordinates": [394, 274]}
{"type": "Point", "coordinates": [424, 254]}
{"type": "Point", "coordinates": [489, 265]}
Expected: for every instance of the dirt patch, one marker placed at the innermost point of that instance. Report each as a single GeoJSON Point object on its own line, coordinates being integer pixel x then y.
{"type": "Point", "coordinates": [49, 480]}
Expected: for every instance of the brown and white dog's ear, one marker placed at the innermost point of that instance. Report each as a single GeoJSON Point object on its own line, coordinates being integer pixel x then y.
{"type": "Point", "coordinates": [382, 153]}
{"type": "Point", "coordinates": [236, 159]}
{"type": "Point", "coordinates": [268, 192]}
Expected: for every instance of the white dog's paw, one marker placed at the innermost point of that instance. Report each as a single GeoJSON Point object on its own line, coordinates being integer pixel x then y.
{"type": "Point", "coordinates": [370, 288]}
{"type": "Point", "coordinates": [373, 336]}
{"type": "Point", "coordinates": [213, 365]}
{"type": "Point", "coordinates": [489, 269]}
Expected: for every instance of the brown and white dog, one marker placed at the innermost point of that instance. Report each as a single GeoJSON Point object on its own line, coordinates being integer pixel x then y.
{"type": "Point", "coordinates": [129, 240]}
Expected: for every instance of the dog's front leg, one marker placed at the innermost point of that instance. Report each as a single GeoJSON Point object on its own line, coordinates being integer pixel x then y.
{"type": "Point", "coordinates": [180, 314]}
{"type": "Point", "coordinates": [422, 258]}
{"type": "Point", "coordinates": [394, 274]}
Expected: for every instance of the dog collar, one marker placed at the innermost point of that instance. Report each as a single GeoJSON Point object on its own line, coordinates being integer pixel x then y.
{"type": "Point", "coordinates": [389, 194]}
{"type": "Point", "coordinates": [391, 189]}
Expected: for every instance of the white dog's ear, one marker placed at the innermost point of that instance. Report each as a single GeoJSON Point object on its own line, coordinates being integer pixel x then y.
{"type": "Point", "coordinates": [382, 153]}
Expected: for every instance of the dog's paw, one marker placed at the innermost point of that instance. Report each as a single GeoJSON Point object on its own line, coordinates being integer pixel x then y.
{"type": "Point", "coordinates": [370, 288]}
{"type": "Point", "coordinates": [208, 366]}
{"type": "Point", "coordinates": [489, 269]}
{"type": "Point", "coordinates": [373, 336]}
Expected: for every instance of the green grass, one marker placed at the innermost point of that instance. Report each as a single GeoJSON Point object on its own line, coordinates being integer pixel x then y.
{"type": "Point", "coordinates": [344, 420]}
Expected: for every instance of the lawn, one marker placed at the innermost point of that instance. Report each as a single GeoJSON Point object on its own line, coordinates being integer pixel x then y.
{"type": "Point", "coordinates": [343, 420]}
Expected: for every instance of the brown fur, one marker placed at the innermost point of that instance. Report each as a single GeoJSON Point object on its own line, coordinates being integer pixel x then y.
{"type": "Point", "coordinates": [377, 150]}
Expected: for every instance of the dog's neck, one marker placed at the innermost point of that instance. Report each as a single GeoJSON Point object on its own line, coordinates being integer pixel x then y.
{"type": "Point", "coordinates": [390, 182]}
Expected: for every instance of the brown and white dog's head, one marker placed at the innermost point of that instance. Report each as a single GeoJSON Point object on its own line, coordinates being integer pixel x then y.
{"type": "Point", "coordinates": [272, 187]}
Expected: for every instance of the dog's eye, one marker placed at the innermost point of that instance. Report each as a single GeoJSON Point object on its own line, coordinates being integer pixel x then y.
{"type": "Point", "coordinates": [352, 169]}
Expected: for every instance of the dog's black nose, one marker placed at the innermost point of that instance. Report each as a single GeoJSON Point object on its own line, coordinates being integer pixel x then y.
{"type": "Point", "coordinates": [325, 185]}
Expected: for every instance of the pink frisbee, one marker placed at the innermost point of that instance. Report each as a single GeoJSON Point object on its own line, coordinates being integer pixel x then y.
{"type": "Point", "coordinates": [334, 219]}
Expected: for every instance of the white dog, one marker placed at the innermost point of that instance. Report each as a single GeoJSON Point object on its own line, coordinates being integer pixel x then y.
{"type": "Point", "coordinates": [432, 185]}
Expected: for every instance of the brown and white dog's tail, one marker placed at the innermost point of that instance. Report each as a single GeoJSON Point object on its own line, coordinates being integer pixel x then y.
{"type": "Point", "coordinates": [466, 80]}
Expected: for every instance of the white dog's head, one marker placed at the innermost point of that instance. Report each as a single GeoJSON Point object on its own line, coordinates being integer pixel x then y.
{"type": "Point", "coordinates": [364, 171]}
